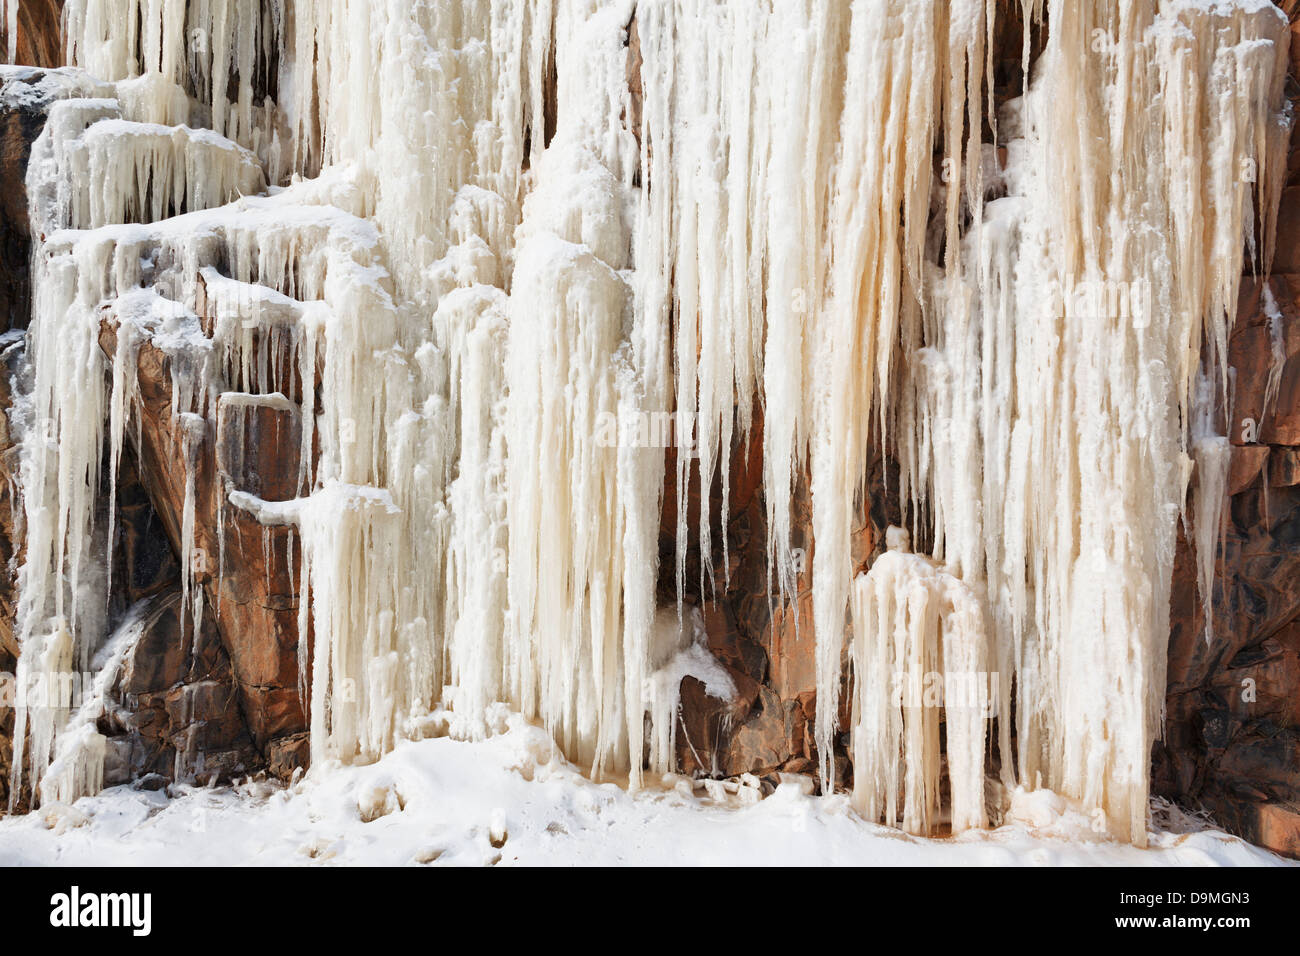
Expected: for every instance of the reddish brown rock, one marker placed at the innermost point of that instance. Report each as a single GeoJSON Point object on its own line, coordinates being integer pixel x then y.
{"type": "Point", "coordinates": [1276, 825]}
{"type": "Point", "coordinates": [768, 645]}
{"type": "Point", "coordinates": [1247, 465]}
{"type": "Point", "coordinates": [1232, 716]}
{"type": "Point", "coordinates": [1284, 467]}
{"type": "Point", "coordinates": [286, 756]}
{"type": "Point", "coordinates": [1251, 354]}
{"type": "Point", "coordinates": [40, 33]}
{"type": "Point", "coordinates": [174, 710]}
{"type": "Point", "coordinates": [249, 588]}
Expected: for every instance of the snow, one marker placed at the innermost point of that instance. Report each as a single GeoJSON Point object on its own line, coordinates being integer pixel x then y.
{"type": "Point", "coordinates": [449, 803]}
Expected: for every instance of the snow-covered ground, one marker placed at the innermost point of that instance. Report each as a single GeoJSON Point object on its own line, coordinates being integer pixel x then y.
{"type": "Point", "coordinates": [512, 800]}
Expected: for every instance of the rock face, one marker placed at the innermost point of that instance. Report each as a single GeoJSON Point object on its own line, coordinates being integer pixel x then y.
{"type": "Point", "coordinates": [766, 645]}
{"type": "Point", "coordinates": [1232, 735]}
{"type": "Point", "coordinates": [242, 567]}
{"type": "Point", "coordinates": [1233, 721]}
{"type": "Point", "coordinates": [40, 39]}
{"type": "Point", "coordinates": [186, 705]}
{"type": "Point", "coordinates": [174, 711]}
{"type": "Point", "coordinates": [22, 117]}
{"type": "Point", "coordinates": [225, 701]}
{"type": "Point", "coordinates": [39, 44]}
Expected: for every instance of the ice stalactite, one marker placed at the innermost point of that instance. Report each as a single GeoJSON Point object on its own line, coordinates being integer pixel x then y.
{"type": "Point", "coordinates": [196, 47]}
{"type": "Point", "coordinates": [78, 765]}
{"type": "Point", "coordinates": [95, 168]}
{"type": "Point", "coordinates": [738, 157]}
{"type": "Point", "coordinates": [922, 655]}
{"type": "Point", "coordinates": [144, 171]}
{"type": "Point", "coordinates": [61, 586]}
{"type": "Point", "coordinates": [1212, 459]}
{"type": "Point", "coordinates": [440, 137]}
{"type": "Point", "coordinates": [570, 374]}
{"type": "Point", "coordinates": [449, 111]}
{"type": "Point", "coordinates": [679, 649]}
{"type": "Point", "coordinates": [906, 81]}
{"type": "Point", "coordinates": [349, 564]}
{"type": "Point", "coordinates": [11, 29]}
{"type": "Point", "coordinates": [1084, 314]}
{"type": "Point", "coordinates": [768, 233]}
{"type": "Point", "coordinates": [476, 328]}
{"type": "Point", "coordinates": [805, 103]}
{"type": "Point", "coordinates": [566, 564]}
{"type": "Point", "coordinates": [708, 161]}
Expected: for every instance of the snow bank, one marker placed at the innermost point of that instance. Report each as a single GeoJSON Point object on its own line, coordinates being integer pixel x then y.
{"type": "Point", "coordinates": [510, 800]}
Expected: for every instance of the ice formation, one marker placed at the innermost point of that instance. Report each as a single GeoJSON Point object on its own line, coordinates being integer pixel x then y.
{"type": "Point", "coordinates": [486, 229]}
{"type": "Point", "coordinates": [1082, 313]}
{"type": "Point", "coordinates": [920, 649]}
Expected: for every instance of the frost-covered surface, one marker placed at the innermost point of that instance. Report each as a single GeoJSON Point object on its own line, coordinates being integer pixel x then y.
{"type": "Point", "coordinates": [447, 802]}
{"type": "Point", "coordinates": [27, 87]}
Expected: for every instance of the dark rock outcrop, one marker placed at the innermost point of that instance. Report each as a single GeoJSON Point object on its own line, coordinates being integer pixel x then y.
{"type": "Point", "coordinates": [1232, 735]}
{"type": "Point", "coordinates": [243, 568]}
{"type": "Point", "coordinates": [1232, 731]}
{"type": "Point", "coordinates": [173, 710]}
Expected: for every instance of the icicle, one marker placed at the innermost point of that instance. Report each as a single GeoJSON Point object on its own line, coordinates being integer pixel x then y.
{"type": "Point", "coordinates": [921, 653]}
{"type": "Point", "coordinates": [348, 587]}
{"type": "Point", "coordinates": [121, 405]}
{"type": "Point", "coordinates": [11, 28]}
{"type": "Point", "coordinates": [196, 46]}
{"type": "Point", "coordinates": [805, 103]}
{"type": "Point", "coordinates": [1083, 313]}
{"type": "Point", "coordinates": [77, 769]}
{"type": "Point", "coordinates": [92, 168]}
{"type": "Point", "coordinates": [679, 650]}
{"type": "Point", "coordinates": [62, 588]}
{"type": "Point", "coordinates": [887, 136]}
{"type": "Point", "coordinates": [738, 157]}
{"type": "Point", "coordinates": [194, 431]}
{"type": "Point", "coordinates": [580, 505]}
{"type": "Point", "coordinates": [1277, 349]}
{"type": "Point", "coordinates": [476, 330]}
{"type": "Point", "coordinates": [566, 527]}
